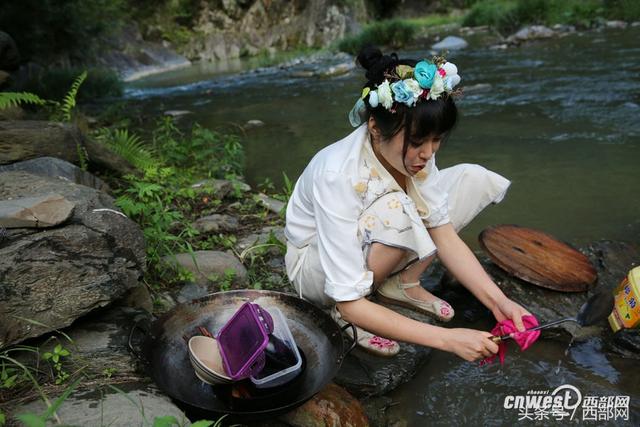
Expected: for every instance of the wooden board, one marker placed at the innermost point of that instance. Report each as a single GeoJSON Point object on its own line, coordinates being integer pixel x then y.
{"type": "Point", "coordinates": [538, 258]}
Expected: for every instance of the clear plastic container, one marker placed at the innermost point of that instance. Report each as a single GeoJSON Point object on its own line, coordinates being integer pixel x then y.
{"type": "Point", "coordinates": [282, 332]}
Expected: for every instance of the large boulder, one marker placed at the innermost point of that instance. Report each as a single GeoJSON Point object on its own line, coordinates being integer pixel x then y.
{"type": "Point", "coordinates": [29, 139]}
{"type": "Point", "coordinates": [364, 374]}
{"type": "Point", "coordinates": [209, 267]}
{"type": "Point", "coordinates": [9, 54]}
{"type": "Point", "coordinates": [55, 167]}
{"type": "Point", "coordinates": [612, 260]}
{"type": "Point", "coordinates": [50, 277]}
{"type": "Point", "coordinates": [134, 403]}
{"type": "Point", "coordinates": [450, 43]}
{"type": "Point", "coordinates": [333, 406]}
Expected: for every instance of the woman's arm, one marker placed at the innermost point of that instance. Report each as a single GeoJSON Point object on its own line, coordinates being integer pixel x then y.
{"type": "Point", "coordinates": [466, 343]}
{"type": "Point", "coordinates": [463, 264]}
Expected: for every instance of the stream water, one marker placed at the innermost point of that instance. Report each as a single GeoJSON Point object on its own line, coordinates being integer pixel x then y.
{"type": "Point", "coordinates": [560, 118]}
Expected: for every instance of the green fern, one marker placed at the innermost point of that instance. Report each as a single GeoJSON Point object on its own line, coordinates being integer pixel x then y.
{"type": "Point", "coordinates": [130, 147]}
{"type": "Point", "coordinates": [83, 157]}
{"type": "Point", "coordinates": [8, 99]}
{"type": "Point", "coordinates": [69, 101]}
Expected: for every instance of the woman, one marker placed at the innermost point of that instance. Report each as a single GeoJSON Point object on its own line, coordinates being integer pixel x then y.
{"type": "Point", "coordinates": [369, 213]}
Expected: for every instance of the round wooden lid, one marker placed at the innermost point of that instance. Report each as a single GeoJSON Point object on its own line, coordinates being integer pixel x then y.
{"type": "Point", "coordinates": [538, 258]}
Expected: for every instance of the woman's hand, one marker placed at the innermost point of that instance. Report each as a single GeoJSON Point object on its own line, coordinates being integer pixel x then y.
{"type": "Point", "coordinates": [470, 344]}
{"type": "Point", "coordinates": [508, 309]}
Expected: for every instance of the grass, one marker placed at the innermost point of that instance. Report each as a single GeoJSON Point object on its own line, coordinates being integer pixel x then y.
{"type": "Point", "coordinates": [395, 33]}
{"type": "Point", "coordinates": [509, 15]}
{"type": "Point", "coordinates": [398, 33]}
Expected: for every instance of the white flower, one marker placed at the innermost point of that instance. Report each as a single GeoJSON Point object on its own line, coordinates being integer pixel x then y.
{"type": "Point", "coordinates": [451, 81]}
{"type": "Point", "coordinates": [413, 86]}
{"type": "Point", "coordinates": [385, 96]}
{"type": "Point", "coordinates": [450, 68]}
{"type": "Point", "coordinates": [437, 87]}
{"type": "Point", "coordinates": [373, 99]}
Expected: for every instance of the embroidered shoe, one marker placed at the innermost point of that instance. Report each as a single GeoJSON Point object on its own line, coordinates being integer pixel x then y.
{"type": "Point", "coordinates": [370, 343]}
{"type": "Point", "coordinates": [393, 292]}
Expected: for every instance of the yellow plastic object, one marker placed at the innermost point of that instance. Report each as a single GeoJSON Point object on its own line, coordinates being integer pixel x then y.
{"type": "Point", "coordinates": [626, 309]}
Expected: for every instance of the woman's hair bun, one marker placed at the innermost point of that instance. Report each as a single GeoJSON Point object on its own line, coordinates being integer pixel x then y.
{"type": "Point", "coordinates": [369, 56]}
{"type": "Point", "coordinates": [371, 59]}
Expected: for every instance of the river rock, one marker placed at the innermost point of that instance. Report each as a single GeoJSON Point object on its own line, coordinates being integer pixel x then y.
{"type": "Point", "coordinates": [216, 223]}
{"type": "Point", "coordinates": [209, 266]}
{"type": "Point", "coordinates": [332, 406]}
{"type": "Point", "coordinates": [135, 58]}
{"type": "Point", "coordinates": [222, 187]}
{"type": "Point", "coordinates": [177, 113]}
{"type": "Point", "coordinates": [4, 77]}
{"type": "Point", "coordinates": [13, 112]}
{"type": "Point", "coordinates": [224, 33]}
{"type": "Point", "coordinates": [191, 291]}
{"type": "Point", "coordinates": [103, 336]}
{"type": "Point", "coordinates": [613, 260]}
{"type": "Point", "coordinates": [564, 28]}
{"type": "Point", "coordinates": [57, 168]}
{"type": "Point", "coordinates": [251, 124]}
{"type": "Point", "coordinates": [337, 70]}
{"type": "Point", "coordinates": [35, 212]}
{"type": "Point", "coordinates": [450, 43]}
{"type": "Point", "coordinates": [616, 24]}
{"type": "Point", "coordinates": [9, 54]}
{"type": "Point", "coordinates": [29, 139]}
{"type": "Point", "coordinates": [303, 74]}
{"type": "Point", "coordinates": [532, 32]}
{"type": "Point", "coordinates": [261, 238]}
{"type": "Point", "coordinates": [139, 403]}
{"type": "Point", "coordinates": [365, 375]}
{"type": "Point", "coordinates": [274, 205]}
{"type": "Point", "coordinates": [53, 276]}
{"type": "Point", "coordinates": [138, 298]}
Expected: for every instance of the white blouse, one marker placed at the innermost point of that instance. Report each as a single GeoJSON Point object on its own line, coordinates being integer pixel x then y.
{"type": "Point", "coordinates": [340, 182]}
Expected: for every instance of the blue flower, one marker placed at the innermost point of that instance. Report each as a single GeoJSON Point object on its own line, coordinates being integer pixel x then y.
{"type": "Point", "coordinates": [424, 73]}
{"type": "Point", "coordinates": [403, 93]}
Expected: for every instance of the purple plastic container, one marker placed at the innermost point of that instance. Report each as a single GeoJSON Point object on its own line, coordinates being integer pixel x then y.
{"type": "Point", "coordinates": [242, 341]}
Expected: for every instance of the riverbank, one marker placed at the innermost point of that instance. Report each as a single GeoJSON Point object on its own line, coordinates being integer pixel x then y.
{"type": "Point", "coordinates": [144, 40]}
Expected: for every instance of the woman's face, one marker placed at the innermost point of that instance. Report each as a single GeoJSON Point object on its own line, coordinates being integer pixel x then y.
{"type": "Point", "coordinates": [418, 153]}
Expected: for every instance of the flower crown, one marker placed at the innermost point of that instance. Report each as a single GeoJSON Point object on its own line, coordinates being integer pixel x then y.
{"type": "Point", "coordinates": [407, 85]}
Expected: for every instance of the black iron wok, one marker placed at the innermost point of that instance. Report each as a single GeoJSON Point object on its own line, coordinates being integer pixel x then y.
{"type": "Point", "coordinates": [165, 354]}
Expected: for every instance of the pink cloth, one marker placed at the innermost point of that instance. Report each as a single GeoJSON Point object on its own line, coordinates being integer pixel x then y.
{"type": "Point", "coordinates": [524, 339]}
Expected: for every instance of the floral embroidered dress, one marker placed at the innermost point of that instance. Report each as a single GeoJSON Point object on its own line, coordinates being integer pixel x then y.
{"type": "Point", "coordinates": [345, 200]}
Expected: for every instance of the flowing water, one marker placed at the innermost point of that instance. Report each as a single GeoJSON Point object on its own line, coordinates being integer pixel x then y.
{"type": "Point", "coordinates": [560, 118]}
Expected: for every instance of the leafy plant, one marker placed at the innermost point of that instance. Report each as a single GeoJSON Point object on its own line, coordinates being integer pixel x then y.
{"type": "Point", "coordinates": [129, 146]}
{"type": "Point", "coordinates": [9, 99]}
{"type": "Point", "coordinates": [83, 157]}
{"type": "Point", "coordinates": [394, 33]}
{"type": "Point", "coordinates": [64, 108]}
{"type": "Point", "coordinates": [8, 376]}
{"type": "Point", "coordinates": [108, 372]}
{"type": "Point", "coordinates": [69, 100]}
{"type": "Point", "coordinates": [56, 358]}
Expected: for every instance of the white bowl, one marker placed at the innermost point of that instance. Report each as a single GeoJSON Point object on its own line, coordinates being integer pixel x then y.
{"type": "Point", "coordinates": [205, 358]}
